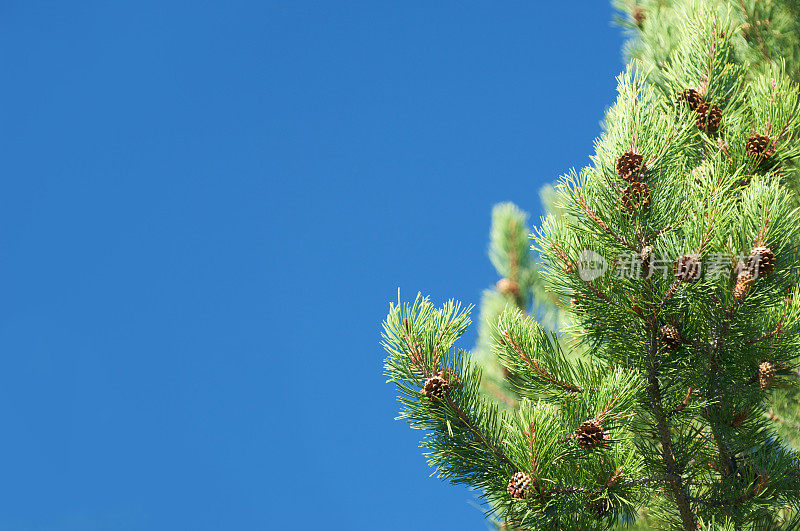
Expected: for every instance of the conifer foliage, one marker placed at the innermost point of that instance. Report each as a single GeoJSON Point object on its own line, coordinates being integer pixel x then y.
{"type": "Point", "coordinates": [675, 258]}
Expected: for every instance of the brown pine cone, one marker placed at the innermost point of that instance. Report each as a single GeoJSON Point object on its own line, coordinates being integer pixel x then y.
{"type": "Point", "coordinates": [629, 166]}
{"type": "Point", "coordinates": [709, 117]}
{"type": "Point", "coordinates": [671, 337]}
{"type": "Point", "coordinates": [639, 15]}
{"type": "Point", "coordinates": [692, 97]}
{"type": "Point", "coordinates": [590, 434]}
{"type": "Point", "coordinates": [762, 261]}
{"type": "Point", "coordinates": [687, 268]}
{"type": "Point", "coordinates": [760, 146]}
{"type": "Point", "coordinates": [506, 286]}
{"type": "Point", "coordinates": [635, 196]}
{"type": "Point", "coordinates": [766, 373]}
{"type": "Point", "coordinates": [743, 282]}
{"type": "Point", "coordinates": [436, 386]}
{"type": "Point", "coordinates": [519, 486]}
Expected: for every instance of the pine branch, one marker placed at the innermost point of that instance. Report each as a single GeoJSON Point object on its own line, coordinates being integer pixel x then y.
{"type": "Point", "coordinates": [541, 371]}
{"type": "Point", "coordinates": [472, 427]}
{"type": "Point", "coordinates": [673, 477]}
{"type": "Point", "coordinates": [602, 224]}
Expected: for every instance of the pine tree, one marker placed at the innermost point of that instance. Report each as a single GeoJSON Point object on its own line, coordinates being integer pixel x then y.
{"type": "Point", "coordinates": [646, 369]}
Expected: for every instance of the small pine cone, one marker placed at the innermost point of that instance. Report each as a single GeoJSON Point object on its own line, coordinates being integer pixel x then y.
{"type": "Point", "coordinates": [762, 261]}
{"type": "Point", "coordinates": [687, 268]}
{"type": "Point", "coordinates": [766, 373]}
{"type": "Point", "coordinates": [635, 196]}
{"type": "Point", "coordinates": [519, 486]}
{"type": "Point", "coordinates": [739, 418]}
{"type": "Point", "coordinates": [708, 117]}
{"type": "Point", "coordinates": [671, 337]}
{"type": "Point", "coordinates": [590, 434]}
{"type": "Point", "coordinates": [692, 98]}
{"type": "Point", "coordinates": [760, 482]}
{"type": "Point", "coordinates": [506, 286]}
{"type": "Point", "coordinates": [629, 166]}
{"type": "Point", "coordinates": [639, 15]}
{"type": "Point", "coordinates": [743, 282]}
{"type": "Point", "coordinates": [646, 256]}
{"type": "Point", "coordinates": [436, 386]}
{"type": "Point", "coordinates": [760, 146]}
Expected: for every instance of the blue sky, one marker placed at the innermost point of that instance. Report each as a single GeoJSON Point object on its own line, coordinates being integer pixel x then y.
{"type": "Point", "coordinates": [206, 209]}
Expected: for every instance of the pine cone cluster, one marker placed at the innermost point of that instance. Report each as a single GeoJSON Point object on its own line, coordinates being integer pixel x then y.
{"type": "Point", "coordinates": [766, 373]}
{"type": "Point", "coordinates": [744, 280]}
{"type": "Point", "coordinates": [692, 97]}
{"type": "Point", "coordinates": [670, 337]}
{"type": "Point", "coordinates": [629, 166]}
{"type": "Point", "coordinates": [590, 434]}
{"type": "Point", "coordinates": [687, 268]}
{"type": "Point", "coordinates": [709, 117]}
{"type": "Point", "coordinates": [762, 261]}
{"type": "Point", "coordinates": [635, 196]}
{"type": "Point", "coordinates": [760, 146]}
{"type": "Point", "coordinates": [519, 486]}
{"type": "Point", "coordinates": [506, 286]}
{"type": "Point", "coordinates": [436, 386]}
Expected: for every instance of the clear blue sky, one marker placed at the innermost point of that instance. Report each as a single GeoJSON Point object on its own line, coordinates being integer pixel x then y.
{"type": "Point", "coordinates": [206, 208]}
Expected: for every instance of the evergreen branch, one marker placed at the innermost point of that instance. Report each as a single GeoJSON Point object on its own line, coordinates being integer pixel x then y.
{"type": "Point", "coordinates": [723, 502]}
{"type": "Point", "coordinates": [775, 418]}
{"type": "Point", "coordinates": [757, 32]}
{"type": "Point", "coordinates": [476, 432]}
{"type": "Point", "coordinates": [669, 227]}
{"type": "Point", "coordinates": [571, 265]}
{"type": "Point", "coordinates": [673, 477]}
{"type": "Point", "coordinates": [680, 407]}
{"type": "Point", "coordinates": [603, 225]}
{"type": "Point", "coordinates": [668, 295]}
{"type": "Point", "coordinates": [728, 460]}
{"type": "Point", "coordinates": [537, 367]}
{"type": "Point", "coordinates": [772, 333]}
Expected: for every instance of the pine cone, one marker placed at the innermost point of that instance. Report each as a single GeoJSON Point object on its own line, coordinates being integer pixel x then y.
{"type": "Point", "coordinates": [671, 337]}
{"type": "Point", "coordinates": [708, 117]}
{"type": "Point", "coordinates": [635, 196]}
{"type": "Point", "coordinates": [629, 166]}
{"type": "Point", "coordinates": [639, 15]}
{"type": "Point", "coordinates": [590, 434]}
{"type": "Point", "coordinates": [766, 373]}
{"type": "Point", "coordinates": [687, 268]}
{"type": "Point", "coordinates": [506, 286]}
{"type": "Point", "coordinates": [519, 486]}
{"type": "Point", "coordinates": [692, 97]}
{"type": "Point", "coordinates": [436, 386]}
{"type": "Point", "coordinates": [743, 283]}
{"type": "Point", "coordinates": [762, 261]}
{"type": "Point", "coordinates": [646, 257]}
{"type": "Point", "coordinates": [760, 146]}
